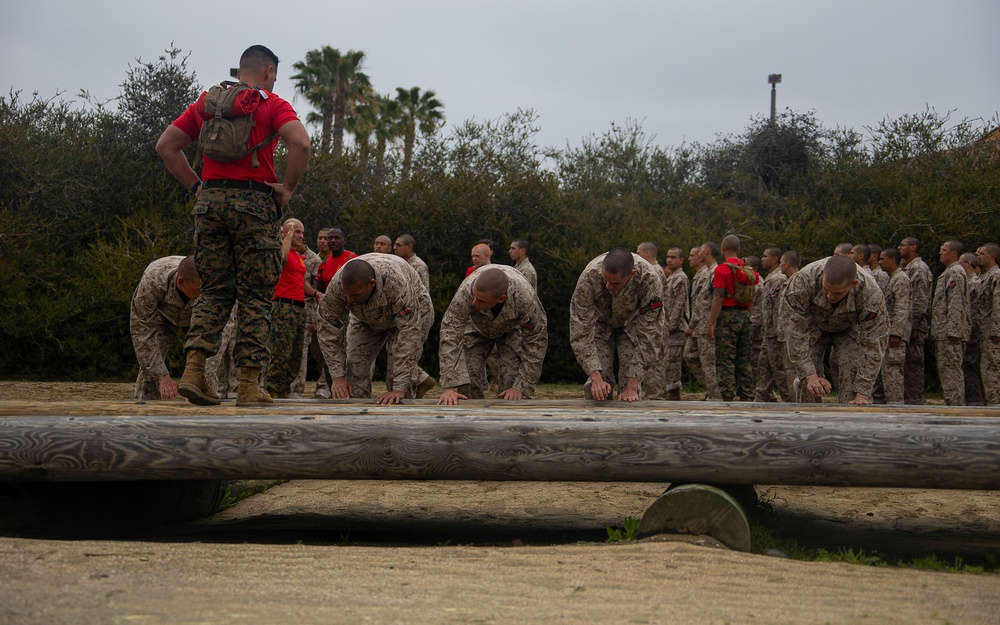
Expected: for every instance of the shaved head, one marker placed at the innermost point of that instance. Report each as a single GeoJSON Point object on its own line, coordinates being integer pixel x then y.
{"type": "Point", "coordinates": [619, 262]}
{"type": "Point", "coordinates": [731, 243]}
{"type": "Point", "coordinates": [356, 272]}
{"type": "Point", "coordinates": [493, 282]}
{"type": "Point", "coordinates": [840, 271]}
{"type": "Point", "coordinates": [187, 269]}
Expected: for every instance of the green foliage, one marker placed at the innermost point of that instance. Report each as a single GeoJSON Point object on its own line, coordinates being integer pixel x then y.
{"type": "Point", "coordinates": [629, 532]}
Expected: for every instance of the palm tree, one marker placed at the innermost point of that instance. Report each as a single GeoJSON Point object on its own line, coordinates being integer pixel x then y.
{"type": "Point", "coordinates": [418, 110]}
{"type": "Point", "coordinates": [361, 123]}
{"type": "Point", "coordinates": [388, 128]}
{"type": "Point", "coordinates": [334, 83]}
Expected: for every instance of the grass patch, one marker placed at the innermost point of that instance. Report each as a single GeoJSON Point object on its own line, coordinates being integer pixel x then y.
{"type": "Point", "coordinates": [622, 534]}
{"type": "Point", "coordinates": [764, 541]}
{"type": "Point", "coordinates": [236, 491]}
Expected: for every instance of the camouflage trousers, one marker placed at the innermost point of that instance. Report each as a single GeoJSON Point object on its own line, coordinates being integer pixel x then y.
{"type": "Point", "coordinates": [732, 354]}
{"type": "Point", "coordinates": [653, 384]}
{"type": "Point", "coordinates": [913, 370]}
{"type": "Point", "coordinates": [699, 356]}
{"type": "Point", "coordinates": [613, 352]}
{"type": "Point", "coordinates": [989, 368]}
{"type": "Point", "coordinates": [287, 330]}
{"type": "Point", "coordinates": [891, 374]}
{"type": "Point", "coordinates": [238, 257]}
{"type": "Point", "coordinates": [478, 350]}
{"type": "Point", "coordinates": [311, 349]}
{"type": "Point", "coordinates": [949, 365]}
{"type": "Point", "coordinates": [771, 372]}
{"type": "Point", "coordinates": [757, 375]}
{"type": "Point", "coordinates": [363, 346]}
{"type": "Point", "coordinates": [970, 372]}
{"type": "Point", "coordinates": [147, 388]}
{"type": "Point", "coordinates": [844, 361]}
{"type": "Point", "coordinates": [664, 373]}
{"type": "Point", "coordinates": [226, 374]}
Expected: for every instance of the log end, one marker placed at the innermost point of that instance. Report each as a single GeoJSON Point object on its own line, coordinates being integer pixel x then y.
{"type": "Point", "coordinates": [698, 509]}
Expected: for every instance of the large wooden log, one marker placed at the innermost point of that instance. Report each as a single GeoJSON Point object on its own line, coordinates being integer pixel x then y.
{"type": "Point", "coordinates": [585, 441]}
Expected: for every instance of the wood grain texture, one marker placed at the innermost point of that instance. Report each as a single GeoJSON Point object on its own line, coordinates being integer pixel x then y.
{"type": "Point", "coordinates": [564, 441]}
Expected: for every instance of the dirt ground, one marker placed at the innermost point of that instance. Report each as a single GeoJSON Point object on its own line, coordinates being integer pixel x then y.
{"type": "Point", "coordinates": [509, 552]}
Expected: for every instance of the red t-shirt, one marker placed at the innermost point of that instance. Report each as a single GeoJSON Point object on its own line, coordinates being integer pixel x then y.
{"type": "Point", "coordinates": [724, 278]}
{"type": "Point", "coordinates": [469, 271]}
{"type": "Point", "coordinates": [332, 264]}
{"type": "Point", "coordinates": [272, 113]}
{"type": "Point", "coordinates": [292, 283]}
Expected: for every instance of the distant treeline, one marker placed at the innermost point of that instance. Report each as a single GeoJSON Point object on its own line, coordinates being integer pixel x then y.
{"type": "Point", "coordinates": [85, 205]}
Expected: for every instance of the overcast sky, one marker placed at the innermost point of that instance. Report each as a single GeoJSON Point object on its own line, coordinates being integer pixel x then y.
{"type": "Point", "coordinates": [687, 70]}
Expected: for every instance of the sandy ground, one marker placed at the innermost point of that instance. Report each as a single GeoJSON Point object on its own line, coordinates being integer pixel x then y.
{"type": "Point", "coordinates": [484, 552]}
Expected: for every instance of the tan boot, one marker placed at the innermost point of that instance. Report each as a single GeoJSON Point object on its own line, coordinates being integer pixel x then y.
{"type": "Point", "coordinates": [250, 391]}
{"type": "Point", "coordinates": [425, 385]}
{"type": "Point", "coordinates": [193, 384]}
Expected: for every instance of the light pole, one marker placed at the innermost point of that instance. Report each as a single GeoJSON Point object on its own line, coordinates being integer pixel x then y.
{"type": "Point", "coordinates": [773, 80]}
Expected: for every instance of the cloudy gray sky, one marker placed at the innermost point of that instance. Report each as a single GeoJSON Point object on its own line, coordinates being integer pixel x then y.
{"type": "Point", "coordinates": [687, 70]}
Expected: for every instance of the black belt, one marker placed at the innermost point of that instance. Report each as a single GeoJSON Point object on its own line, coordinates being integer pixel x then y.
{"type": "Point", "coordinates": [293, 302]}
{"type": "Point", "coordinates": [250, 185]}
{"type": "Point", "coordinates": [732, 308]}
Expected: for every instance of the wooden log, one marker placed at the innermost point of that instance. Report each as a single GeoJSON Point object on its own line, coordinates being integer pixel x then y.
{"type": "Point", "coordinates": [516, 443]}
{"type": "Point", "coordinates": [699, 509]}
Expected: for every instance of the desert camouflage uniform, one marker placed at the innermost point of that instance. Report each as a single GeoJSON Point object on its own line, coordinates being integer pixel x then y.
{"type": "Point", "coordinates": [897, 306]}
{"type": "Point", "coordinates": [881, 278]}
{"type": "Point", "coordinates": [699, 351]}
{"type": "Point", "coordinates": [757, 343]}
{"type": "Point", "coordinates": [310, 343]}
{"type": "Point", "coordinates": [771, 362]}
{"type": "Point", "coordinates": [398, 315]}
{"type": "Point", "coordinates": [970, 358]}
{"type": "Point", "coordinates": [781, 334]}
{"type": "Point", "coordinates": [921, 283]}
{"type": "Point", "coordinates": [654, 384]}
{"type": "Point", "coordinates": [626, 324]}
{"type": "Point", "coordinates": [228, 224]}
{"type": "Point", "coordinates": [857, 327]}
{"type": "Point", "coordinates": [677, 313]}
{"type": "Point", "coordinates": [518, 332]}
{"type": "Point", "coordinates": [987, 321]}
{"type": "Point", "coordinates": [528, 271]}
{"type": "Point", "coordinates": [420, 267]}
{"type": "Point", "coordinates": [222, 368]}
{"type": "Point", "coordinates": [157, 312]}
{"type": "Point", "coordinates": [950, 318]}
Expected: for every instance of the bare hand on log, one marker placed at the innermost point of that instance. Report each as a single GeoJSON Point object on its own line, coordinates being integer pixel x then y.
{"type": "Point", "coordinates": [817, 386]}
{"type": "Point", "coordinates": [450, 397]}
{"type": "Point", "coordinates": [631, 391]}
{"type": "Point", "coordinates": [511, 393]}
{"type": "Point", "coordinates": [168, 388]}
{"type": "Point", "coordinates": [599, 389]}
{"type": "Point", "coordinates": [390, 397]}
{"type": "Point", "coordinates": [860, 400]}
{"type": "Point", "coordinates": [340, 388]}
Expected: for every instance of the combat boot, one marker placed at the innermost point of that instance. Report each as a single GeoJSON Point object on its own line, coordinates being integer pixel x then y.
{"type": "Point", "coordinates": [425, 385]}
{"type": "Point", "coordinates": [193, 385]}
{"type": "Point", "coordinates": [250, 391]}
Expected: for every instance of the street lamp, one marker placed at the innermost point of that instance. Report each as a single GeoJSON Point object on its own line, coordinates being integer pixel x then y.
{"type": "Point", "coordinates": [773, 80]}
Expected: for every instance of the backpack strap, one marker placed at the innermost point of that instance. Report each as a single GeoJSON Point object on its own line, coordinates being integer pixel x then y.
{"type": "Point", "coordinates": [260, 145]}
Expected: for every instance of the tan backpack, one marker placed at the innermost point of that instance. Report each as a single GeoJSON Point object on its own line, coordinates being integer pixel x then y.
{"type": "Point", "coordinates": [224, 136]}
{"type": "Point", "coordinates": [745, 283]}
